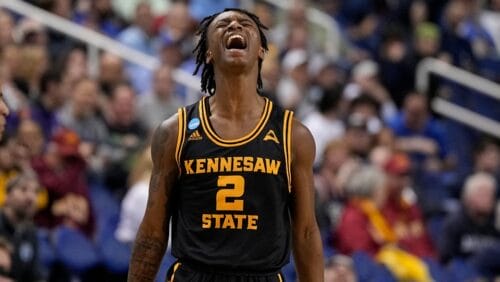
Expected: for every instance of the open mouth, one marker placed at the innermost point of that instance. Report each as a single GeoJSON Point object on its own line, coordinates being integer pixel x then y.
{"type": "Point", "coordinates": [236, 41]}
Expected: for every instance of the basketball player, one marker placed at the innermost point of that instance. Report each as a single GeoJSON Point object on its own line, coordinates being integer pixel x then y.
{"type": "Point", "coordinates": [4, 112]}
{"type": "Point", "coordinates": [233, 172]}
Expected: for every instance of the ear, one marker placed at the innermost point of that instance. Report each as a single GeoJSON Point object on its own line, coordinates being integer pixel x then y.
{"type": "Point", "coordinates": [262, 53]}
{"type": "Point", "coordinates": [208, 58]}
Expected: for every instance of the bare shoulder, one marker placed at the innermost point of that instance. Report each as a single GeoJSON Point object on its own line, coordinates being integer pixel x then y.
{"type": "Point", "coordinates": [165, 139]}
{"type": "Point", "coordinates": [303, 146]}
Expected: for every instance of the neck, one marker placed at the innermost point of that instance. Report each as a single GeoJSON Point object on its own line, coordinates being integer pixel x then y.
{"type": "Point", "coordinates": [236, 94]}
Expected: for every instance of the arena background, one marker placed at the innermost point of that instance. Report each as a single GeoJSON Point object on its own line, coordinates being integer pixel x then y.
{"type": "Point", "coordinates": [409, 87]}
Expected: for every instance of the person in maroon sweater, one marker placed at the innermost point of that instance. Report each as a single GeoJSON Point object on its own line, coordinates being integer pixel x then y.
{"type": "Point", "coordinates": [362, 226]}
{"type": "Point", "coordinates": [401, 212]}
{"type": "Point", "coordinates": [62, 170]}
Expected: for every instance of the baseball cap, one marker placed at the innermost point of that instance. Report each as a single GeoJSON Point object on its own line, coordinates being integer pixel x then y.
{"type": "Point", "coordinates": [67, 142]}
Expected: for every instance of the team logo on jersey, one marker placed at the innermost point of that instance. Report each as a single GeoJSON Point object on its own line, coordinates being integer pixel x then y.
{"type": "Point", "coordinates": [195, 136]}
{"type": "Point", "coordinates": [194, 123]}
{"type": "Point", "coordinates": [270, 135]}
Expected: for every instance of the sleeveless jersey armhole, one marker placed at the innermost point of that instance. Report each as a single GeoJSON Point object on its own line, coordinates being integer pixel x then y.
{"type": "Point", "coordinates": [181, 134]}
{"type": "Point", "coordinates": [287, 146]}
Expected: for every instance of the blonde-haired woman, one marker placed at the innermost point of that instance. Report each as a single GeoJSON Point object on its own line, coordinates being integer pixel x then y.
{"type": "Point", "coordinates": [135, 201]}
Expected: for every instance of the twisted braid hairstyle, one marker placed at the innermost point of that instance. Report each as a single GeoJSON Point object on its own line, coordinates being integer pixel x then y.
{"type": "Point", "coordinates": [207, 72]}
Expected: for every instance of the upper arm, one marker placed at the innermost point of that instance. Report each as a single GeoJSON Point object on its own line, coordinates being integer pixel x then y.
{"type": "Point", "coordinates": [303, 152]}
{"type": "Point", "coordinates": [163, 176]}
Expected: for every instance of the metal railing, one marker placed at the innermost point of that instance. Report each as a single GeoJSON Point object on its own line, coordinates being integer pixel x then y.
{"type": "Point", "coordinates": [462, 77]}
{"type": "Point", "coordinates": [96, 41]}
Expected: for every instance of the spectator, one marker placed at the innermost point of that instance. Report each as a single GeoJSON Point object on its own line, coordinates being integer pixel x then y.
{"type": "Point", "coordinates": [396, 72]}
{"type": "Point", "coordinates": [111, 72]}
{"type": "Point", "coordinates": [171, 53]}
{"type": "Point", "coordinates": [426, 41]}
{"type": "Point", "coordinates": [5, 260]}
{"type": "Point", "coordinates": [30, 136]}
{"type": "Point", "coordinates": [340, 268]}
{"type": "Point", "coordinates": [325, 125]}
{"type": "Point", "coordinates": [358, 137]}
{"type": "Point", "coordinates": [31, 32]}
{"type": "Point", "coordinates": [44, 109]}
{"type": "Point", "coordinates": [271, 73]}
{"type": "Point", "coordinates": [6, 29]}
{"type": "Point", "coordinates": [126, 9]}
{"type": "Point", "coordinates": [178, 23]}
{"type": "Point", "coordinates": [126, 135]}
{"type": "Point", "coordinates": [62, 171]}
{"type": "Point", "coordinates": [80, 113]}
{"type": "Point", "coordinates": [156, 106]}
{"type": "Point", "coordinates": [32, 65]}
{"type": "Point", "coordinates": [135, 201]}
{"type": "Point", "coordinates": [329, 182]}
{"type": "Point", "coordinates": [175, 30]}
{"type": "Point", "coordinates": [490, 21]}
{"type": "Point", "coordinates": [474, 228]}
{"type": "Point", "coordinates": [419, 135]}
{"type": "Point", "coordinates": [369, 109]}
{"type": "Point", "coordinates": [16, 224]}
{"type": "Point", "coordinates": [73, 65]}
{"type": "Point", "coordinates": [362, 226]}
{"type": "Point", "coordinates": [8, 169]}
{"type": "Point", "coordinates": [401, 211]}
{"type": "Point", "coordinates": [365, 81]}
{"type": "Point", "coordinates": [140, 36]}
{"type": "Point", "coordinates": [102, 18]}
{"type": "Point", "coordinates": [202, 8]}
{"type": "Point", "coordinates": [487, 158]}
{"type": "Point", "coordinates": [453, 42]}
{"type": "Point", "coordinates": [292, 91]}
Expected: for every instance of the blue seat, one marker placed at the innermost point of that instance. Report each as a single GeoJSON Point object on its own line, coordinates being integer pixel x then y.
{"type": "Point", "coordinates": [438, 272]}
{"type": "Point", "coordinates": [115, 255]}
{"type": "Point", "coordinates": [74, 250]}
{"type": "Point", "coordinates": [104, 206]}
{"type": "Point", "coordinates": [46, 252]}
{"type": "Point", "coordinates": [367, 270]}
{"type": "Point", "coordinates": [461, 271]}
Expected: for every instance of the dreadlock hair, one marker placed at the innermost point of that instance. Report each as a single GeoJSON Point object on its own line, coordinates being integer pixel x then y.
{"type": "Point", "coordinates": [207, 73]}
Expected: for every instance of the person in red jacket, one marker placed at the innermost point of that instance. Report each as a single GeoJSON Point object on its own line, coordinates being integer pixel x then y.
{"type": "Point", "coordinates": [402, 212]}
{"type": "Point", "coordinates": [362, 226]}
{"type": "Point", "coordinates": [62, 170]}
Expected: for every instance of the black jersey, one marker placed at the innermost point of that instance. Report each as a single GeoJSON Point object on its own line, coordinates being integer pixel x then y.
{"type": "Point", "coordinates": [231, 201]}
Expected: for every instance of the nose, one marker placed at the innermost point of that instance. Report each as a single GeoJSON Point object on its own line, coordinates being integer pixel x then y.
{"type": "Point", "coordinates": [4, 110]}
{"type": "Point", "coordinates": [235, 25]}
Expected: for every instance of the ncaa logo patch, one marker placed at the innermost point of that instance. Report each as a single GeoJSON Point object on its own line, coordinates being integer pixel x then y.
{"type": "Point", "coordinates": [194, 123]}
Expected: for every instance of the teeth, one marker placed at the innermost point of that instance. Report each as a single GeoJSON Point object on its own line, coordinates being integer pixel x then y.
{"type": "Point", "coordinates": [235, 36]}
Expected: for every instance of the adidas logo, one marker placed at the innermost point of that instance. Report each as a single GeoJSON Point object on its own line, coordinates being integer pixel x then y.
{"type": "Point", "coordinates": [195, 136]}
{"type": "Point", "coordinates": [270, 135]}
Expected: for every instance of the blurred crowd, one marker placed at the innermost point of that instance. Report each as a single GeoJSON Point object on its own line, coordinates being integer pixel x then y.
{"type": "Point", "coordinates": [402, 193]}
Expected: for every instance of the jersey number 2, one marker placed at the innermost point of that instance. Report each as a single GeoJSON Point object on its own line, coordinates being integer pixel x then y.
{"type": "Point", "coordinates": [231, 186]}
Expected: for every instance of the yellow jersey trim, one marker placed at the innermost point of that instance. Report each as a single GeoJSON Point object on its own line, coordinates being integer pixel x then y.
{"type": "Point", "coordinates": [287, 147]}
{"type": "Point", "coordinates": [181, 134]}
{"type": "Point", "coordinates": [176, 266]}
{"type": "Point", "coordinates": [234, 142]}
{"type": "Point", "coordinates": [280, 279]}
